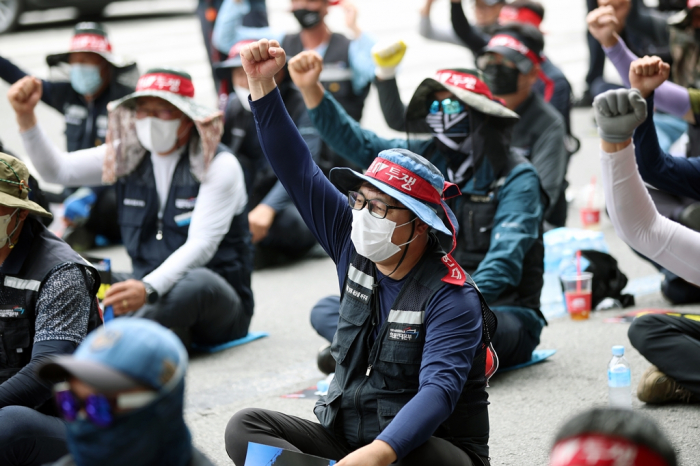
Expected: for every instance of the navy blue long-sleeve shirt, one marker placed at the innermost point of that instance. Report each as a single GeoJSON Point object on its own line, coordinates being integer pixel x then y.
{"type": "Point", "coordinates": [675, 175]}
{"type": "Point", "coordinates": [452, 318]}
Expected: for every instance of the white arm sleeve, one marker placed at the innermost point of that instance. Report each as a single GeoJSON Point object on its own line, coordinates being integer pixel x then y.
{"type": "Point", "coordinates": [637, 222]}
{"type": "Point", "coordinates": [79, 168]}
{"type": "Point", "coordinates": [222, 195]}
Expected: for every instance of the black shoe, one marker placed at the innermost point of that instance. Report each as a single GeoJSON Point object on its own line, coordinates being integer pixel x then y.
{"type": "Point", "coordinates": [325, 361]}
{"type": "Point", "coordinates": [690, 217]}
{"type": "Point", "coordinates": [585, 101]}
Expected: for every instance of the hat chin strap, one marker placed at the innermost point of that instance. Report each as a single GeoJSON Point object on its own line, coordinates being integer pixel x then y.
{"type": "Point", "coordinates": [9, 237]}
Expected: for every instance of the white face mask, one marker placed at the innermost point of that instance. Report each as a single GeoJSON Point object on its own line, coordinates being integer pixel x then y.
{"type": "Point", "coordinates": [156, 135]}
{"type": "Point", "coordinates": [371, 236]}
{"type": "Point", "coordinates": [4, 223]}
{"type": "Point", "coordinates": [242, 94]}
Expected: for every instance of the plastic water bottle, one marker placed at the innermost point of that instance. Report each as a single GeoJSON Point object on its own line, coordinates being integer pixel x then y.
{"type": "Point", "coordinates": [619, 379]}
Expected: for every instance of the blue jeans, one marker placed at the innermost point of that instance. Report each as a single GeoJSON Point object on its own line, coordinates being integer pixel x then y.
{"type": "Point", "coordinates": [517, 335]}
{"type": "Point", "coordinates": [668, 129]}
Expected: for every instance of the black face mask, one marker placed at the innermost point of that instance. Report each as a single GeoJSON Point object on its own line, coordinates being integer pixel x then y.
{"type": "Point", "coordinates": [307, 18]}
{"type": "Point", "coordinates": [502, 80]}
{"type": "Point", "coordinates": [450, 131]}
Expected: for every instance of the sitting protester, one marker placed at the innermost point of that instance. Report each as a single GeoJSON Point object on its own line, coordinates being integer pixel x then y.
{"type": "Point", "coordinates": [511, 63]}
{"type": "Point", "coordinates": [181, 200]}
{"type": "Point", "coordinates": [349, 65]}
{"type": "Point", "coordinates": [552, 84]}
{"type": "Point", "coordinates": [97, 77]}
{"type": "Point", "coordinates": [611, 436]}
{"type": "Point", "coordinates": [670, 342]}
{"type": "Point", "coordinates": [122, 395]}
{"type": "Point", "coordinates": [501, 207]}
{"type": "Point", "coordinates": [47, 307]}
{"type": "Point", "coordinates": [277, 229]}
{"type": "Point", "coordinates": [410, 383]}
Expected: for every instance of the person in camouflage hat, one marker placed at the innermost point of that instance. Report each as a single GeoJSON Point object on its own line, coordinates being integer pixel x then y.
{"type": "Point", "coordinates": [181, 203]}
{"type": "Point", "coordinates": [47, 307]}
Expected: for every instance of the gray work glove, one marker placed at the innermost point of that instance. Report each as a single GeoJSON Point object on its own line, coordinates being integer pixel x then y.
{"type": "Point", "coordinates": [618, 113]}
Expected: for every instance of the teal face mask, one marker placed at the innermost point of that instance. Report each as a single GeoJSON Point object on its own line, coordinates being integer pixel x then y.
{"type": "Point", "coordinates": [85, 79]}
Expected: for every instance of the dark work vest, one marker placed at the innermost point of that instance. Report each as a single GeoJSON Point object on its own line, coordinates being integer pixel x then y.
{"type": "Point", "coordinates": [336, 76]}
{"type": "Point", "coordinates": [150, 241]}
{"type": "Point", "coordinates": [373, 381]}
{"type": "Point", "coordinates": [86, 122]}
{"type": "Point", "coordinates": [20, 292]}
{"type": "Point", "coordinates": [475, 214]}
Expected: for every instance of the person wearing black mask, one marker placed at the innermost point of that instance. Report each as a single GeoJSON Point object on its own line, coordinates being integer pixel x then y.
{"type": "Point", "coordinates": [501, 207]}
{"type": "Point", "coordinates": [277, 230]}
{"type": "Point", "coordinates": [348, 66]}
{"type": "Point", "coordinates": [511, 65]}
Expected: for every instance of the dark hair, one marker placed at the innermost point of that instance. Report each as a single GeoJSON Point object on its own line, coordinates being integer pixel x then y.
{"type": "Point", "coordinates": [535, 7]}
{"type": "Point", "coordinates": [624, 423]}
{"type": "Point", "coordinates": [525, 33]}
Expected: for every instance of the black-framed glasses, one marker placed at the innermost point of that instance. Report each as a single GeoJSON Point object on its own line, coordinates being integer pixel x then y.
{"type": "Point", "coordinates": [449, 106]}
{"type": "Point", "coordinates": [377, 208]}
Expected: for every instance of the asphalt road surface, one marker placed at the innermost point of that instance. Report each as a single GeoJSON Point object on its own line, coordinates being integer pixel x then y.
{"type": "Point", "coordinates": [527, 405]}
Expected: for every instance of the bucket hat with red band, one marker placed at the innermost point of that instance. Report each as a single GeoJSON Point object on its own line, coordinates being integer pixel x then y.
{"type": "Point", "coordinates": [90, 37]}
{"type": "Point", "coordinates": [234, 59]}
{"type": "Point", "coordinates": [418, 185]}
{"type": "Point", "coordinates": [467, 85]}
{"type": "Point", "coordinates": [124, 151]}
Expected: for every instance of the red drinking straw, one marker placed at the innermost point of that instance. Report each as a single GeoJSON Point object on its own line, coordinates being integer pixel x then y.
{"type": "Point", "coordinates": [578, 271]}
{"type": "Point", "coordinates": [591, 194]}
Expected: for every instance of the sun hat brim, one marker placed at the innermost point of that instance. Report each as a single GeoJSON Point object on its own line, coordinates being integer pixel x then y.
{"type": "Point", "coordinates": [187, 105]}
{"type": "Point", "coordinates": [14, 202]}
{"type": "Point", "coordinates": [115, 60]}
{"type": "Point", "coordinates": [103, 378]}
{"type": "Point", "coordinates": [346, 179]}
{"type": "Point", "coordinates": [223, 69]}
{"type": "Point", "coordinates": [418, 106]}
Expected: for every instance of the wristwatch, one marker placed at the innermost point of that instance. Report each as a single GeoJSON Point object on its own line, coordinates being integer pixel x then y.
{"type": "Point", "coordinates": [151, 294]}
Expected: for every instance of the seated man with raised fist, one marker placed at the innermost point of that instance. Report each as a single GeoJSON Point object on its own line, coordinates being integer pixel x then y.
{"type": "Point", "coordinates": [500, 211]}
{"type": "Point", "coordinates": [410, 384]}
{"type": "Point", "coordinates": [670, 342]}
{"type": "Point", "coordinates": [181, 204]}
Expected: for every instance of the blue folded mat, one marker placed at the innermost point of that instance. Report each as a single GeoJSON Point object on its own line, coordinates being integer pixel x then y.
{"type": "Point", "coordinates": [537, 356]}
{"type": "Point", "coordinates": [252, 336]}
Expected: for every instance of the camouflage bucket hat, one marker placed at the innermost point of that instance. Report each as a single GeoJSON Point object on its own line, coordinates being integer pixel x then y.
{"type": "Point", "coordinates": [14, 187]}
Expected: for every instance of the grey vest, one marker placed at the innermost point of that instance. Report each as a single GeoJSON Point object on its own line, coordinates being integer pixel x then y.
{"type": "Point", "coordinates": [373, 381]}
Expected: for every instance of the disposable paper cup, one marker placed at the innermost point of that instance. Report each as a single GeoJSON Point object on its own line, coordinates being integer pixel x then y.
{"type": "Point", "coordinates": [577, 294]}
{"type": "Point", "coordinates": [590, 218]}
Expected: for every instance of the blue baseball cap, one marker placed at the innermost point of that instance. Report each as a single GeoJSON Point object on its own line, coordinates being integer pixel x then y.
{"type": "Point", "coordinates": [124, 354]}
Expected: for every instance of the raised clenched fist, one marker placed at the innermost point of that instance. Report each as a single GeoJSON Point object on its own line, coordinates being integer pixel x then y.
{"type": "Point", "coordinates": [25, 94]}
{"type": "Point", "coordinates": [305, 69]}
{"type": "Point", "coordinates": [262, 59]}
{"type": "Point", "coordinates": [618, 112]}
{"type": "Point", "coordinates": [648, 73]}
{"type": "Point", "coordinates": [603, 25]}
